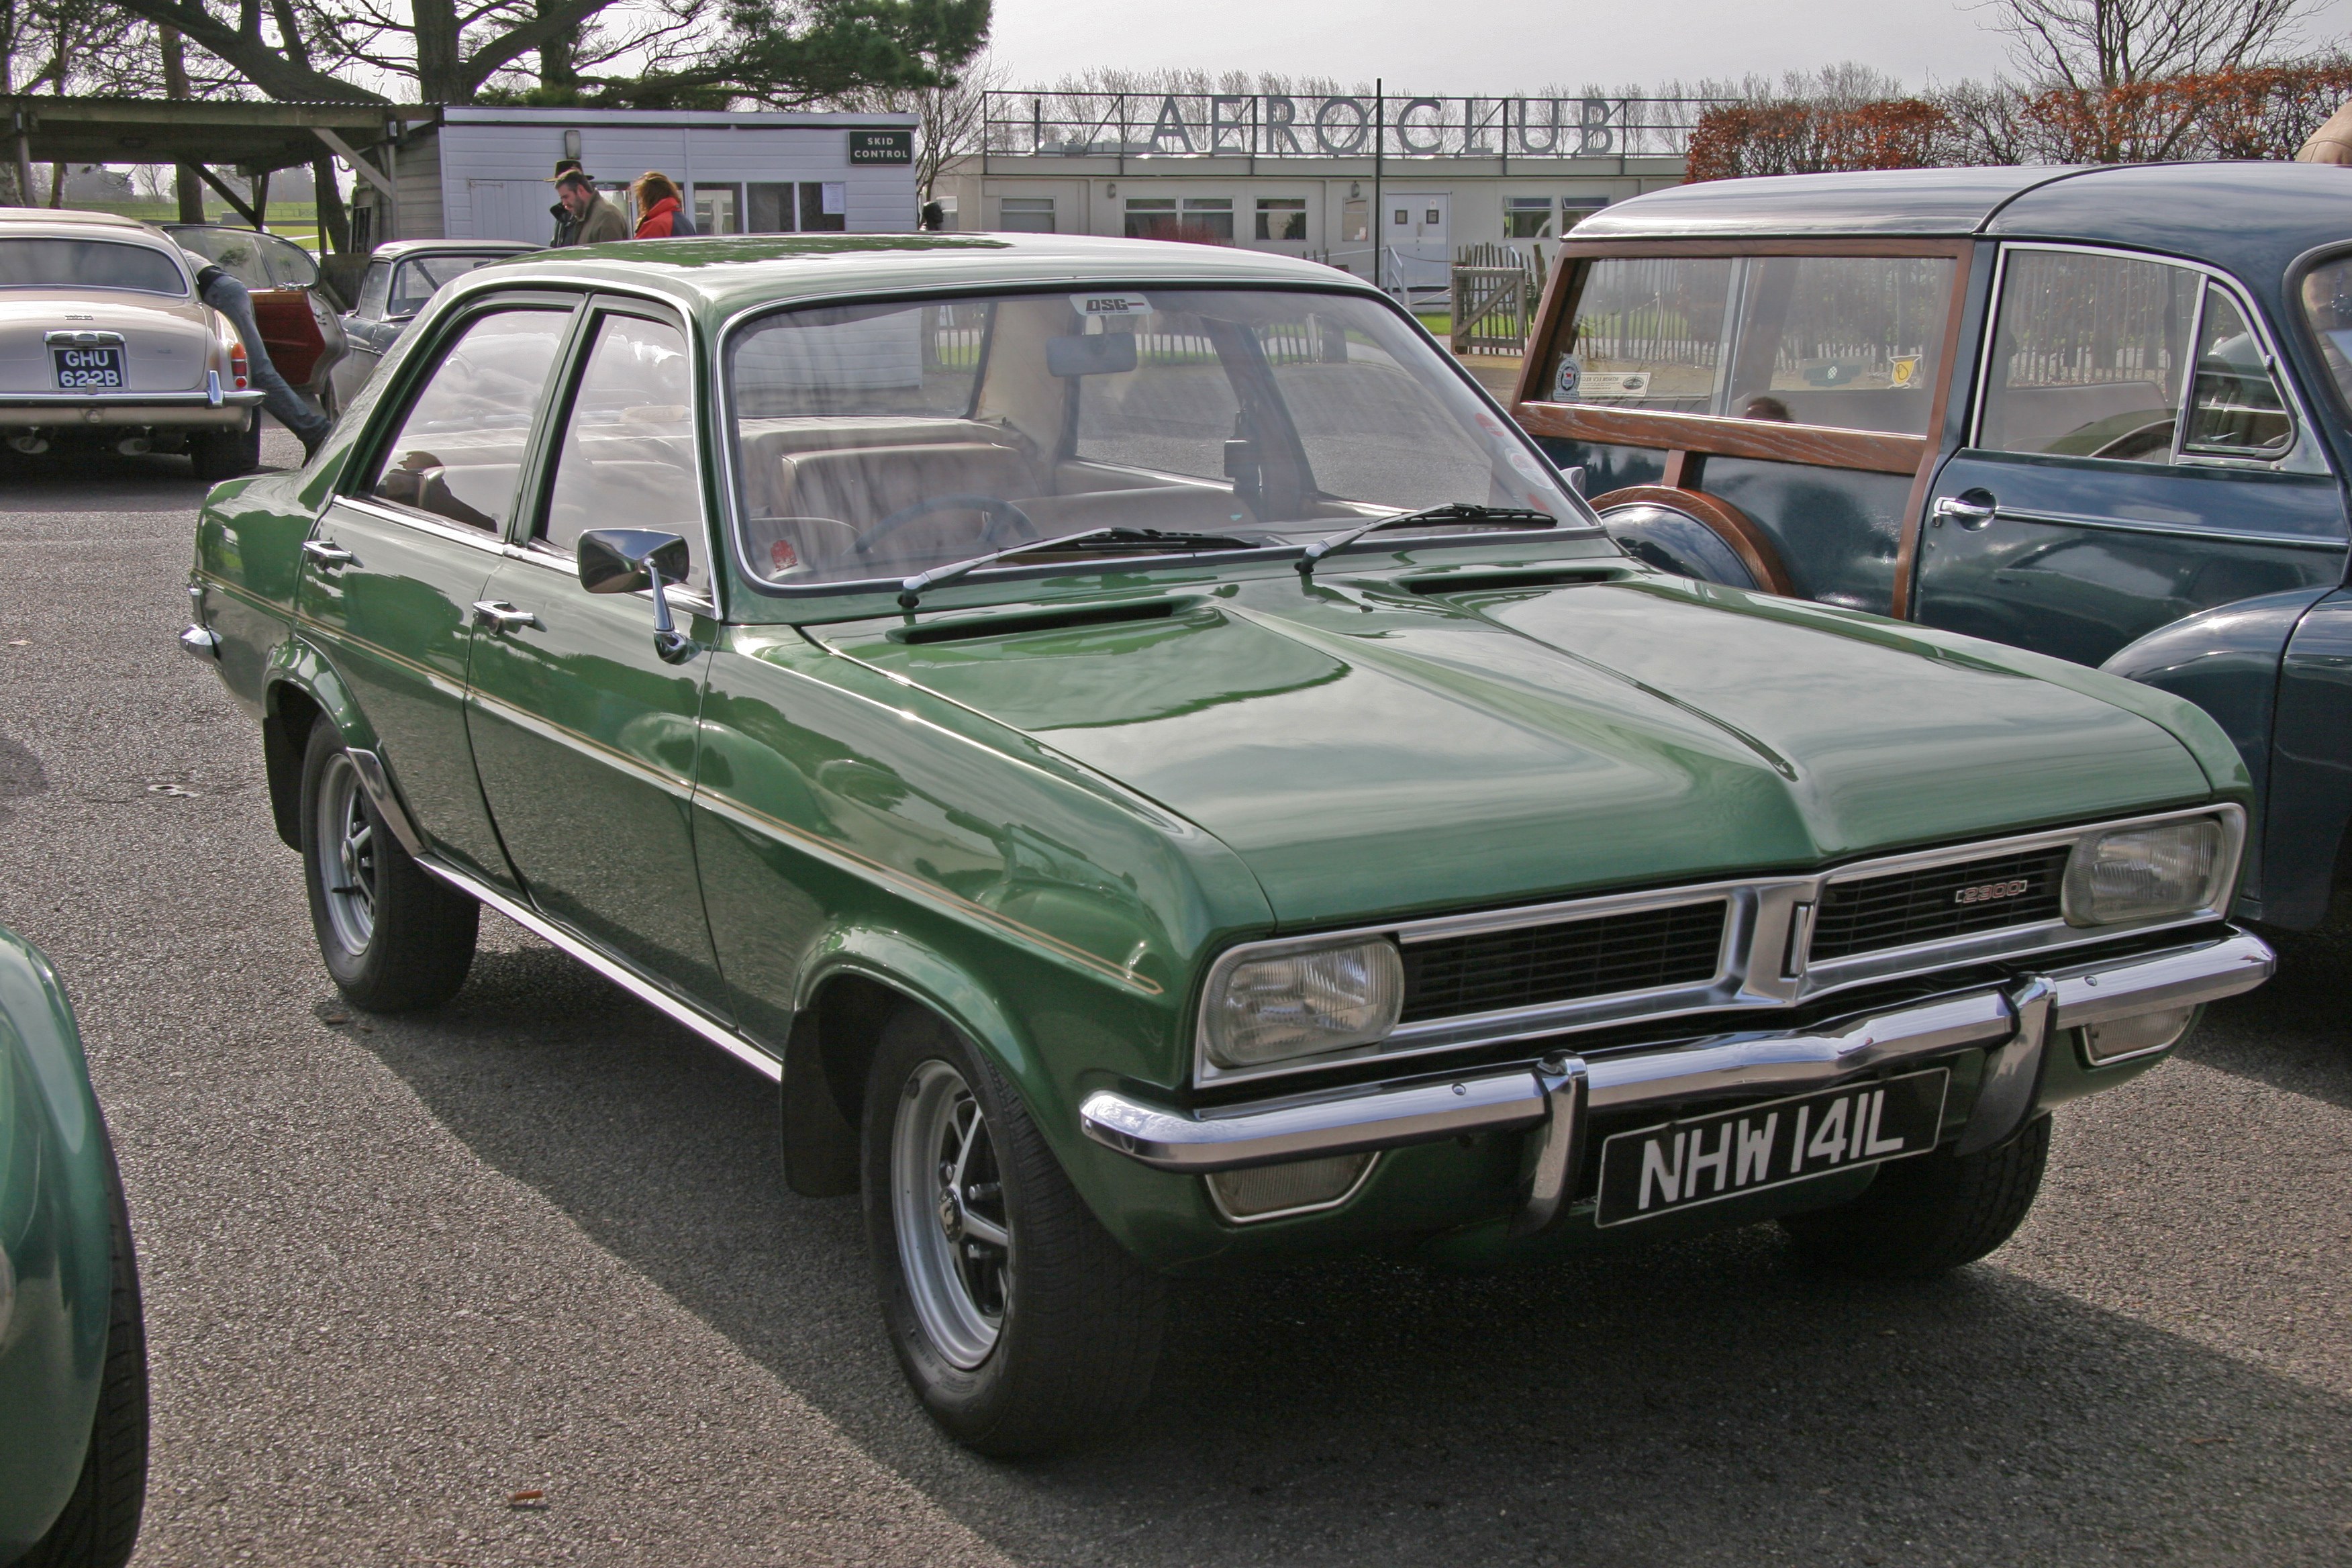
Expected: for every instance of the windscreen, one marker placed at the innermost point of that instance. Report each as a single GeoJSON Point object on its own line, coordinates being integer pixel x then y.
{"type": "Point", "coordinates": [421, 276]}
{"type": "Point", "coordinates": [88, 264]}
{"type": "Point", "coordinates": [255, 260]}
{"type": "Point", "coordinates": [881, 440]}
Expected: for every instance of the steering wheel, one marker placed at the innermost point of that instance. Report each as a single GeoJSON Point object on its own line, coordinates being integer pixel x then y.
{"type": "Point", "coordinates": [999, 513]}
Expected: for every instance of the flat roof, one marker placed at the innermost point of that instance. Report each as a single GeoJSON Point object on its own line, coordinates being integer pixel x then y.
{"type": "Point", "coordinates": [652, 117]}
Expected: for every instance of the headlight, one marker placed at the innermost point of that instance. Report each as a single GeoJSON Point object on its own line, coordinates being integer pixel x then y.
{"type": "Point", "coordinates": [2136, 873]}
{"type": "Point", "coordinates": [1303, 1004]}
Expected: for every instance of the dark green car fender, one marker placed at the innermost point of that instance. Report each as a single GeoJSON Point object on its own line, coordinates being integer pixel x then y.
{"type": "Point", "coordinates": [299, 685]}
{"type": "Point", "coordinates": [55, 1226]}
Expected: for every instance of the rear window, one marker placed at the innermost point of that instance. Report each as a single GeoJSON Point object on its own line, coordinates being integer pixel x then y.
{"type": "Point", "coordinates": [88, 264]}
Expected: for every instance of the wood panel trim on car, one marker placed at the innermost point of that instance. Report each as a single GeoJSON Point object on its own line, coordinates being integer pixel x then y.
{"type": "Point", "coordinates": [1819, 446]}
{"type": "Point", "coordinates": [1734, 527]}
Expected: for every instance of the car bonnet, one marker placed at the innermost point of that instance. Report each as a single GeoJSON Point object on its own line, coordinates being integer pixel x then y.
{"type": "Point", "coordinates": [1371, 751]}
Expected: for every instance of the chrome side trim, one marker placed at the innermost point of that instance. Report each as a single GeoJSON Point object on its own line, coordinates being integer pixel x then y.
{"type": "Point", "coordinates": [201, 642]}
{"type": "Point", "coordinates": [2186, 977]}
{"type": "Point", "coordinates": [539, 925]}
{"type": "Point", "coordinates": [1765, 963]}
{"type": "Point", "coordinates": [1424, 1109]}
{"type": "Point", "coordinates": [386, 801]}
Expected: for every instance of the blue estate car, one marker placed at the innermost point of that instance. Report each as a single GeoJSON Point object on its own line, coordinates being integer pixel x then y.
{"type": "Point", "coordinates": [2102, 414]}
{"type": "Point", "coordinates": [73, 1350]}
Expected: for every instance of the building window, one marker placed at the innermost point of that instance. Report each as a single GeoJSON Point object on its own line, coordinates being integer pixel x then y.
{"type": "Point", "coordinates": [715, 207]}
{"type": "Point", "coordinates": [1355, 223]}
{"type": "Point", "coordinates": [1208, 219]}
{"type": "Point", "coordinates": [1527, 217]}
{"type": "Point", "coordinates": [1150, 217]}
{"type": "Point", "coordinates": [1281, 217]}
{"type": "Point", "coordinates": [769, 209]}
{"type": "Point", "coordinates": [1026, 214]}
{"type": "Point", "coordinates": [1574, 210]}
{"type": "Point", "coordinates": [824, 206]}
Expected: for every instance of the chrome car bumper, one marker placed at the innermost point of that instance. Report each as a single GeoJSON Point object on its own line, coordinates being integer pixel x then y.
{"type": "Point", "coordinates": [1562, 1090]}
{"type": "Point", "coordinates": [65, 410]}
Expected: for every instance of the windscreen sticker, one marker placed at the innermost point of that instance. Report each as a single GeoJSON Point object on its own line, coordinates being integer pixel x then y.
{"type": "Point", "coordinates": [1110, 304]}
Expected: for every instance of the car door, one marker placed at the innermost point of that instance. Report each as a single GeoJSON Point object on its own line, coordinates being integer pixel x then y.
{"type": "Point", "coordinates": [398, 557]}
{"type": "Point", "coordinates": [2135, 457]}
{"type": "Point", "coordinates": [583, 733]}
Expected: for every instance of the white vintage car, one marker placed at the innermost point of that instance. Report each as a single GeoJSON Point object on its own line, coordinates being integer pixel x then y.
{"type": "Point", "coordinates": [104, 343]}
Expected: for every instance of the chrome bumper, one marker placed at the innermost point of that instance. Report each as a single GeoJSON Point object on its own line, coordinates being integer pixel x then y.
{"type": "Point", "coordinates": [201, 642]}
{"type": "Point", "coordinates": [1562, 1090]}
{"type": "Point", "coordinates": [64, 410]}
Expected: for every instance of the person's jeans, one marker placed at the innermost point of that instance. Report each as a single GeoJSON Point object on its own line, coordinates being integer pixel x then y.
{"type": "Point", "coordinates": [232, 300]}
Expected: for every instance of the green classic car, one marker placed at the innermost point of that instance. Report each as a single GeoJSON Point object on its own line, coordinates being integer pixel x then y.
{"type": "Point", "coordinates": [1168, 778]}
{"type": "Point", "coordinates": [73, 1349]}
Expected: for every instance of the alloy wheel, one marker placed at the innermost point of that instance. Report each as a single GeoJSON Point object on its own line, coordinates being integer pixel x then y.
{"type": "Point", "coordinates": [955, 1242]}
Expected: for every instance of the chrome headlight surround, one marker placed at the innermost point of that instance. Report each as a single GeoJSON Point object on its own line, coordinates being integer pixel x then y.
{"type": "Point", "coordinates": [2154, 869]}
{"type": "Point", "coordinates": [1288, 1001]}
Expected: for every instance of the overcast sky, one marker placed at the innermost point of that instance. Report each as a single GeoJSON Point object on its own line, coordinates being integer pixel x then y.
{"type": "Point", "coordinates": [1513, 46]}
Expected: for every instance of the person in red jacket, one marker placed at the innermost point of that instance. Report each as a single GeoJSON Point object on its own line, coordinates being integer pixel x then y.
{"type": "Point", "coordinates": [663, 216]}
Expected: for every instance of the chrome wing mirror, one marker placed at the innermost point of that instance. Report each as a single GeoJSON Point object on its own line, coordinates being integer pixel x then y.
{"type": "Point", "coordinates": [626, 560]}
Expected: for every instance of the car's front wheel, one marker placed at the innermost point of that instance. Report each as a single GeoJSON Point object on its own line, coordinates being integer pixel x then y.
{"type": "Point", "coordinates": [394, 938]}
{"type": "Point", "coordinates": [1930, 1215]}
{"type": "Point", "coordinates": [1022, 1325]}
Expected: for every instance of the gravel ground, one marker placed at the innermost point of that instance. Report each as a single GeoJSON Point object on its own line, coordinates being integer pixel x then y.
{"type": "Point", "coordinates": [400, 1270]}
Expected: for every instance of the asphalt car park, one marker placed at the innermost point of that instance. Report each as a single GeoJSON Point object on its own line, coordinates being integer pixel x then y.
{"type": "Point", "coordinates": [402, 1273]}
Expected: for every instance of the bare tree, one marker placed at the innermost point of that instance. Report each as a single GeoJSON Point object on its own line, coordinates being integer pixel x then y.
{"type": "Point", "coordinates": [2081, 45]}
{"type": "Point", "coordinates": [949, 121]}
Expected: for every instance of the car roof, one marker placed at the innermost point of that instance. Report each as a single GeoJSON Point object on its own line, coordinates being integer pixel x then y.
{"type": "Point", "coordinates": [2235, 215]}
{"type": "Point", "coordinates": [393, 249]}
{"type": "Point", "coordinates": [715, 278]}
{"type": "Point", "coordinates": [21, 218]}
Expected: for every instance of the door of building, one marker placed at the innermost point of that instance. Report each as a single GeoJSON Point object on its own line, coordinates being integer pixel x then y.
{"type": "Point", "coordinates": [510, 209]}
{"type": "Point", "coordinates": [1415, 228]}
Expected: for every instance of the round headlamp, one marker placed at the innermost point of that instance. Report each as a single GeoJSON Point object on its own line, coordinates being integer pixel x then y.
{"type": "Point", "coordinates": [2140, 873]}
{"type": "Point", "coordinates": [1274, 1006]}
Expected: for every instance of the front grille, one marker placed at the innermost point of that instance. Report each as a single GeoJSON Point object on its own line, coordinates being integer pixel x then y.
{"type": "Point", "coordinates": [1490, 971]}
{"type": "Point", "coordinates": [1895, 911]}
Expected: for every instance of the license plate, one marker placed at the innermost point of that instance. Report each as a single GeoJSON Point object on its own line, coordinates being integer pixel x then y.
{"type": "Point", "coordinates": [88, 369]}
{"type": "Point", "coordinates": [1705, 1159]}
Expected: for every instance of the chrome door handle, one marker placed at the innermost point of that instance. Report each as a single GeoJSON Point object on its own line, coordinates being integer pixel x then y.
{"type": "Point", "coordinates": [499, 615]}
{"type": "Point", "coordinates": [1967, 513]}
{"type": "Point", "coordinates": [327, 555]}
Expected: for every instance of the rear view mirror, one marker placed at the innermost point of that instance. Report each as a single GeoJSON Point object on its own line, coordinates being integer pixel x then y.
{"type": "Point", "coordinates": [616, 560]}
{"type": "Point", "coordinates": [1098, 353]}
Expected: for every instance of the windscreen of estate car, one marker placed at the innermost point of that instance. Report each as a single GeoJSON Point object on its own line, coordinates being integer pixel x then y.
{"type": "Point", "coordinates": [1854, 342]}
{"type": "Point", "coordinates": [877, 441]}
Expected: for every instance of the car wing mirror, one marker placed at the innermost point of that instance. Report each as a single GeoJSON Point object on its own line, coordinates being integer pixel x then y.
{"type": "Point", "coordinates": [630, 560]}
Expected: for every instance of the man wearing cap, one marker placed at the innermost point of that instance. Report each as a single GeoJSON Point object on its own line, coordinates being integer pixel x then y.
{"type": "Point", "coordinates": [564, 225]}
{"type": "Point", "coordinates": [584, 216]}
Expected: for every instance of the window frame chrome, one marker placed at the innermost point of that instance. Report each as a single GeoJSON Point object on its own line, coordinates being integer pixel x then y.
{"type": "Point", "coordinates": [1757, 968]}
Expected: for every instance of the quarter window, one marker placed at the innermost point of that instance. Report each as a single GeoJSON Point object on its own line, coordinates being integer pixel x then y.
{"type": "Point", "coordinates": [459, 449]}
{"type": "Point", "coordinates": [2088, 356]}
{"type": "Point", "coordinates": [2235, 407]}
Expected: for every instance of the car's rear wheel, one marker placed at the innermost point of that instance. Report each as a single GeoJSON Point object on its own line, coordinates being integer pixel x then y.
{"type": "Point", "coordinates": [100, 1521]}
{"type": "Point", "coordinates": [219, 454]}
{"type": "Point", "coordinates": [1023, 1327]}
{"type": "Point", "coordinates": [1931, 1214]}
{"type": "Point", "coordinates": [394, 938]}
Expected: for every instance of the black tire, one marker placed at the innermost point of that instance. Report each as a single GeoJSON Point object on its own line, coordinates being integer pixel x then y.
{"type": "Point", "coordinates": [394, 938]}
{"type": "Point", "coordinates": [219, 454]}
{"type": "Point", "coordinates": [100, 1521]}
{"type": "Point", "coordinates": [1928, 1216]}
{"type": "Point", "coordinates": [1078, 1319]}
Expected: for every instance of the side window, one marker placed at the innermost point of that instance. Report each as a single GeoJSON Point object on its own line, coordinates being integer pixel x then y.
{"type": "Point", "coordinates": [627, 457]}
{"type": "Point", "coordinates": [2088, 357]}
{"type": "Point", "coordinates": [1648, 333]}
{"type": "Point", "coordinates": [375, 290]}
{"type": "Point", "coordinates": [2235, 407]}
{"type": "Point", "coordinates": [459, 448]}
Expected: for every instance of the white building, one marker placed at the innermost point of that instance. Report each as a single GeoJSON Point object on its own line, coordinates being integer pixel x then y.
{"type": "Point", "coordinates": [483, 173]}
{"type": "Point", "coordinates": [1385, 185]}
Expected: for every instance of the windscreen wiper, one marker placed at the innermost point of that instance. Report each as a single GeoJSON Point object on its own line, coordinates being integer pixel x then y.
{"type": "Point", "coordinates": [910, 592]}
{"type": "Point", "coordinates": [1454, 512]}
